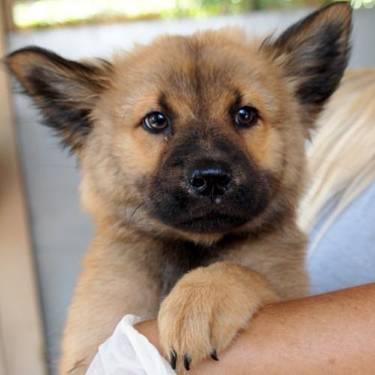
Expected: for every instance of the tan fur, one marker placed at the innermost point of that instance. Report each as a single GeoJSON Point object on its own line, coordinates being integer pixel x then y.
{"type": "Point", "coordinates": [139, 151]}
{"type": "Point", "coordinates": [118, 113]}
{"type": "Point", "coordinates": [134, 260]}
{"type": "Point", "coordinates": [202, 314]}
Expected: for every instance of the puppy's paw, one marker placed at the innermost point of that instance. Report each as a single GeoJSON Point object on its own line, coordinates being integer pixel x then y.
{"type": "Point", "coordinates": [205, 310]}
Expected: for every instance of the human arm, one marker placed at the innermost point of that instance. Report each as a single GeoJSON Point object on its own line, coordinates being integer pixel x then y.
{"type": "Point", "coordinates": [334, 332]}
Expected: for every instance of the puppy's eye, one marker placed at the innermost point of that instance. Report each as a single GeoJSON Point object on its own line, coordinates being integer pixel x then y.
{"type": "Point", "coordinates": [245, 117]}
{"type": "Point", "coordinates": [155, 122]}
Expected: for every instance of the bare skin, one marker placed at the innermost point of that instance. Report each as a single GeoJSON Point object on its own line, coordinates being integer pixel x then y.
{"type": "Point", "coordinates": [333, 332]}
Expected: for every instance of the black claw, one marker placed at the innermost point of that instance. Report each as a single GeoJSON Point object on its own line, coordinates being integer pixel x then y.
{"type": "Point", "coordinates": [173, 359]}
{"type": "Point", "coordinates": [214, 355]}
{"type": "Point", "coordinates": [187, 361]}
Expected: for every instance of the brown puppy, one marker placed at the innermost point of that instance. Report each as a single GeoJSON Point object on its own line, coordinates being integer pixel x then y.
{"type": "Point", "coordinates": [192, 157]}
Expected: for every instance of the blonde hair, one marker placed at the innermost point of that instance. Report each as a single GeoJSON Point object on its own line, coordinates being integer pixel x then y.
{"type": "Point", "coordinates": [341, 156]}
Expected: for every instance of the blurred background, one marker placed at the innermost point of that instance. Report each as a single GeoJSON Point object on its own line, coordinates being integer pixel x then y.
{"type": "Point", "coordinates": [43, 233]}
{"type": "Point", "coordinates": [46, 13]}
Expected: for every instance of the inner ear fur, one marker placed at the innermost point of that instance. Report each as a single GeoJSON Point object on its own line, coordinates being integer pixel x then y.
{"type": "Point", "coordinates": [65, 91]}
{"type": "Point", "coordinates": [313, 54]}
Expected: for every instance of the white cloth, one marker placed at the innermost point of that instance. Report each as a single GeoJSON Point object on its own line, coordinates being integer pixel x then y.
{"type": "Point", "coordinates": [127, 352]}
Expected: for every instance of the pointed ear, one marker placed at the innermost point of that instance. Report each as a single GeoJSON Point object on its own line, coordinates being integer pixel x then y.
{"type": "Point", "coordinates": [313, 54]}
{"type": "Point", "coordinates": [65, 91]}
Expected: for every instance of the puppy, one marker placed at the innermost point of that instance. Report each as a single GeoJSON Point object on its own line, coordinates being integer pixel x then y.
{"type": "Point", "coordinates": [193, 163]}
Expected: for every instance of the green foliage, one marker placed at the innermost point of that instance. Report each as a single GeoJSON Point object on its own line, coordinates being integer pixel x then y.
{"type": "Point", "coordinates": [46, 13]}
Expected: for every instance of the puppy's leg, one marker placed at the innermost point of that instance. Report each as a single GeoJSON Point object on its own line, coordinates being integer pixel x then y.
{"type": "Point", "coordinates": [206, 308]}
{"type": "Point", "coordinates": [115, 281]}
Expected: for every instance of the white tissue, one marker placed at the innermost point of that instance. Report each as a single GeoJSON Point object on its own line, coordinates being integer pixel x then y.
{"type": "Point", "coordinates": [127, 352]}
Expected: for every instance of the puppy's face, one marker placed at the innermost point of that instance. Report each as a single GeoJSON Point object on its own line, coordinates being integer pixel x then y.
{"type": "Point", "coordinates": [197, 131]}
{"type": "Point", "coordinates": [195, 136]}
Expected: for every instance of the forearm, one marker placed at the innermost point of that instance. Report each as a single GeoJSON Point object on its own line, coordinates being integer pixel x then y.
{"type": "Point", "coordinates": [333, 332]}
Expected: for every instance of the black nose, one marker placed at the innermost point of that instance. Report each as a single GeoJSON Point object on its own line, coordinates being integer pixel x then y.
{"type": "Point", "coordinates": [213, 179]}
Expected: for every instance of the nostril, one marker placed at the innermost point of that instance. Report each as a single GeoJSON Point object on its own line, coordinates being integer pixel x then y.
{"type": "Point", "coordinates": [223, 180]}
{"type": "Point", "coordinates": [221, 185]}
{"type": "Point", "coordinates": [198, 182]}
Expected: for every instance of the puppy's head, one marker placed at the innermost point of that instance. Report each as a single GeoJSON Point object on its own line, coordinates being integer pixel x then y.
{"type": "Point", "coordinates": [193, 136]}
